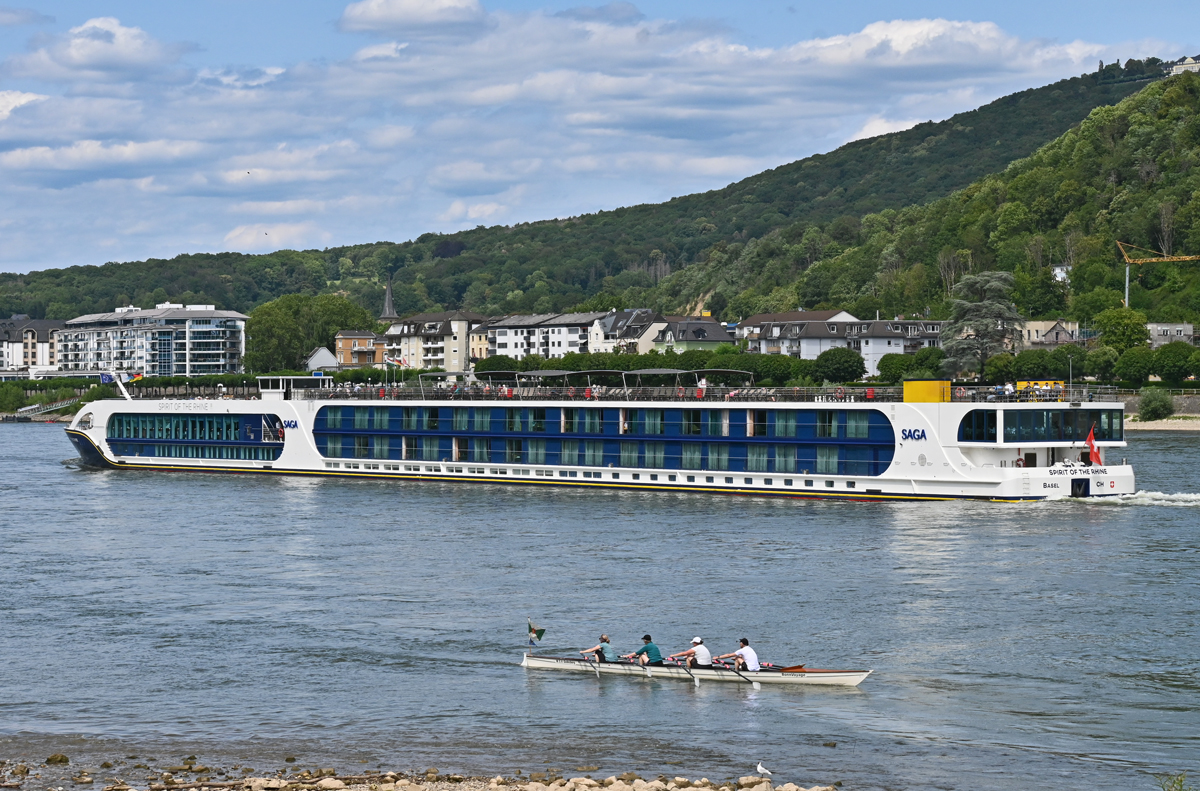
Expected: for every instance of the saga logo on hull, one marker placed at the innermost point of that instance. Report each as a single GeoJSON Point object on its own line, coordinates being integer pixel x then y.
{"type": "Point", "coordinates": [291, 424]}
{"type": "Point", "coordinates": [912, 433]}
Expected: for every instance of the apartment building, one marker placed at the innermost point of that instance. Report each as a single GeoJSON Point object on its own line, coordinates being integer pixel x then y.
{"type": "Point", "coordinates": [29, 345]}
{"type": "Point", "coordinates": [358, 349]}
{"type": "Point", "coordinates": [549, 335]}
{"type": "Point", "coordinates": [170, 340]}
{"type": "Point", "coordinates": [1162, 333]}
{"type": "Point", "coordinates": [434, 340]}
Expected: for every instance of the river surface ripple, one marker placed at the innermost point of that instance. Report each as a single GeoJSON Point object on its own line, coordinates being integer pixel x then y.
{"type": "Point", "coordinates": [356, 623]}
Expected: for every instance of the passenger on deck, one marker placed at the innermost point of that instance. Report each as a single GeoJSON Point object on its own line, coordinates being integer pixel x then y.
{"type": "Point", "coordinates": [744, 658]}
{"type": "Point", "coordinates": [603, 650]}
{"type": "Point", "coordinates": [696, 656]}
{"type": "Point", "coordinates": [648, 654]}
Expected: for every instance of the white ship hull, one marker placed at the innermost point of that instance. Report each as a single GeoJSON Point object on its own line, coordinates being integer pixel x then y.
{"type": "Point", "coordinates": [928, 460]}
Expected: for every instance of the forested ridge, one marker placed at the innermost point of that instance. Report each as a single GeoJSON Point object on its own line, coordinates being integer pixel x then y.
{"type": "Point", "coordinates": [736, 247]}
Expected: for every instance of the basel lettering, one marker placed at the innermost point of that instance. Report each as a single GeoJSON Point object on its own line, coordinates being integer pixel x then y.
{"type": "Point", "coordinates": [912, 433]}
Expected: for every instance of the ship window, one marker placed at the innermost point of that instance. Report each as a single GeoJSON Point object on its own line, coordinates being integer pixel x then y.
{"type": "Point", "coordinates": [785, 458]}
{"type": "Point", "coordinates": [537, 451]}
{"type": "Point", "coordinates": [756, 458]}
{"type": "Point", "coordinates": [593, 451]}
{"type": "Point", "coordinates": [652, 421]}
{"type": "Point", "coordinates": [592, 421]}
{"type": "Point", "coordinates": [361, 417]}
{"type": "Point", "coordinates": [410, 418]}
{"type": "Point", "coordinates": [483, 419]}
{"type": "Point", "coordinates": [718, 423]}
{"type": "Point", "coordinates": [629, 454]}
{"type": "Point", "coordinates": [512, 420]}
{"type": "Point", "coordinates": [656, 454]}
{"type": "Point", "coordinates": [718, 456]}
{"type": "Point", "coordinates": [857, 424]}
{"type": "Point", "coordinates": [691, 421]}
{"type": "Point", "coordinates": [461, 419]}
{"type": "Point", "coordinates": [1055, 425]}
{"type": "Point", "coordinates": [430, 415]}
{"type": "Point", "coordinates": [513, 451]}
{"type": "Point", "coordinates": [479, 450]}
{"type": "Point", "coordinates": [333, 417]}
{"type": "Point", "coordinates": [333, 446]}
{"type": "Point", "coordinates": [429, 448]}
{"type": "Point", "coordinates": [757, 423]}
{"type": "Point", "coordinates": [537, 420]}
{"type": "Point", "coordinates": [570, 452]}
{"type": "Point", "coordinates": [691, 458]}
{"type": "Point", "coordinates": [827, 459]}
{"type": "Point", "coordinates": [827, 424]}
{"type": "Point", "coordinates": [379, 417]}
{"type": "Point", "coordinates": [785, 424]}
{"type": "Point", "coordinates": [978, 425]}
{"type": "Point", "coordinates": [570, 421]}
{"type": "Point", "coordinates": [361, 447]}
{"type": "Point", "coordinates": [379, 448]}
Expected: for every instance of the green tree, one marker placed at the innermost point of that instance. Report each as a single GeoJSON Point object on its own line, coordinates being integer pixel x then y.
{"type": "Point", "coordinates": [502, 362]}
{"type": "Point", "coordinates": [1135, 365]}
{"type": "Point", "coordinates": [893, 367]}
{"type": "Point", "coordinates": [1194, 364]}
{"type": "Point", "coordinates": [280, 334]}
{"type": "Point", "coordinates": [1000, 368]}
{"type": "Point", "coordinates": [1122, 328]}
{"type": "Point", "coordinates": [982, 321]}
{"type": "Point", "coordinates": [12, 397]}
{"type": "Point", "coordinates": [1084, 307]}
{"type": "Point", "coordinates": [1172, 362]}
{"type": "Point", "coordinates": [839, 364]}
{"type": "Point", "coordinates": [1154, 403]}
{"type": "Point", "coordinates": [1101, 363]}
{"type": "Point", "coordinates": [930, 358]}
{"type": "Point", "coordinates": [1033, 364]}
{"type": "Point", "coordinates": [1070, 361]}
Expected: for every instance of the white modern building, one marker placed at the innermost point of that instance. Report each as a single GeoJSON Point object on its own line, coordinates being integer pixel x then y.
{"type": "Point", "coordinates": [632, 331]}
{"type": "Point", "coordinates": [433, 340]}
{"type": "Point", "coordinates": [549, 335]}
{"type": "Point", "coordinates": [807, 339]}
{"type": "Point", "coordinates": [170, 340]}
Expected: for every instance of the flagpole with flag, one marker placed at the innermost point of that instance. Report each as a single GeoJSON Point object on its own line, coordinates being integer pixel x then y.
{"type": "Point", "coordinates": [535, 634]}
{"type": "Point", "coordinates": [1093, 451]}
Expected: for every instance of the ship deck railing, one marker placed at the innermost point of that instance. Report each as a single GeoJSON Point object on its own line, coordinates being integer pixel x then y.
{"type": "Point", "coordinates": [697, 395]}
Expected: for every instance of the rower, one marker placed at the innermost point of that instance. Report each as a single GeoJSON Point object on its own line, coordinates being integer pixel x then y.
{"type": "Point", "coordinates": [696, 656]}
{"type": "Point", "coordinates": [603, 651]}
{"type": "Point", "coordinates": [744, 658]}
{"type": "Point", "coordinates": [648, 654]}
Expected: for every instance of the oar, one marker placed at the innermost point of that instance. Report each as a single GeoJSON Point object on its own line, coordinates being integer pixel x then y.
{"type": "Point", "coordinates": [683, 664]}
{"type": "Point", "coordinates": [733, 666]}
{"type": "Point", "coordinates": [595, 667]}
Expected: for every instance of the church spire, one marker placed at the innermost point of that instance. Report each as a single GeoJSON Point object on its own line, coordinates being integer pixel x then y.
{"type": "Point", "coordinates": [389, 310]}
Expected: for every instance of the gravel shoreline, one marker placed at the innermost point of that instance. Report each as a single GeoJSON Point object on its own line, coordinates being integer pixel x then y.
{"type": "Point", "coordinates": [57, 775]}
{"type": "Point", "coordinates": [1177, 423]}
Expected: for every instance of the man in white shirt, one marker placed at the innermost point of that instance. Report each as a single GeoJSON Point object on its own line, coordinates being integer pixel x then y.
{"type": "Point", "coordinates": [696, 656]}
{"type": "Point", "coordinates": [744, 658]}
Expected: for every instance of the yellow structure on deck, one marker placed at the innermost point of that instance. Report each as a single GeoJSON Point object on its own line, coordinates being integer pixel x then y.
{"type": "Point", "coordinates": [926, 391]}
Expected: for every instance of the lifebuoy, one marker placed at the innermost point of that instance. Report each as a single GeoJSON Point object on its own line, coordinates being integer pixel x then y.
{"type": "Point", "coordinates": [1020, 462]}
{"type": "Point", "coordinates": [960, 392]}
{"type": "Point", "coordinates": [679, 393]}
{"type": "Point", "coordinates": [840, 393]}
{"type": "Point", "coordinates": [281, 433]}
{"type": "Point", "coordinates": [570, 392]}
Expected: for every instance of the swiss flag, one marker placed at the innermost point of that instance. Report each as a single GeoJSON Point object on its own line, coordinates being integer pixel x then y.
{"type": "Point", "coordinates": [1093, 451]}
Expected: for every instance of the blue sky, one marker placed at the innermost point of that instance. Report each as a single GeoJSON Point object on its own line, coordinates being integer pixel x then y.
{"type": "Point", "coordinates": [131, 129]}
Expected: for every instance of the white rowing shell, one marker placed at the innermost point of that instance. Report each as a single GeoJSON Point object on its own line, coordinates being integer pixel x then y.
{"type": "Point", "coordinates": [841, 678]}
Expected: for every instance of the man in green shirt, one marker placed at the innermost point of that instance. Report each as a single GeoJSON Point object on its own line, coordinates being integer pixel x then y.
{"type": "Point", "coordinates": [648, 654]}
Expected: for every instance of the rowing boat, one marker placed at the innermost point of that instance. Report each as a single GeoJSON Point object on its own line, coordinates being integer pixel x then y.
{"type": "Point", "coordinates": [768, 675]}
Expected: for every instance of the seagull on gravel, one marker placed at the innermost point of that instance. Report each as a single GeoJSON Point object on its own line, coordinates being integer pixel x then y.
{"type": "Point", "coordinates": [762, 770]}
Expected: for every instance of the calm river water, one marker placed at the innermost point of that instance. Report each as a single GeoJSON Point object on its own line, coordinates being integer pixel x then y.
{"type": "Point", "coordinates": [353, 624]}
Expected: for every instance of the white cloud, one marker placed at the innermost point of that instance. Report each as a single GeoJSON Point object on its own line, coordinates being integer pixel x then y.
{"type": "Point", "coordinates": [275, 237]}
{"type": "Point", "coordinates": [385, 15]}
{"type": "Point", "coordinates": [877, 125]}
{"type": "Point", "coordinates": [389, 50]}
{"type": "Point", "coordinates": [11, 100]}
{"type": "Point", "coordinates": [91, 154]}
{"type": "Point", "coordinates": [530, 116]}
{"type": "Point", "coordinates": [11, 17]}
{"type": "Point", "coordinates": [100, 48]}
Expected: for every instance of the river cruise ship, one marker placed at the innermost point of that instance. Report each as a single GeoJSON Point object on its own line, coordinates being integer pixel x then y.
{"type": "Point", "coordinates": [928, 440]}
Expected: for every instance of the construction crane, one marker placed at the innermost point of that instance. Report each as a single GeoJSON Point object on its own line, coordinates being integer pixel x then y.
{"type": "Point", "coordinates": [1159, 258]}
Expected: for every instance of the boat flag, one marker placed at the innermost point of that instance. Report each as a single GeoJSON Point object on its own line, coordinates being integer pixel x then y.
{"type": "Point", "coordinates": [136, 377]}
{"type": "Point", "coordinates": [1093, 451]}
{"type": "Point", "coordinates": [535, 633]}
{"type": "Point", "coordinates": [107, 379]}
